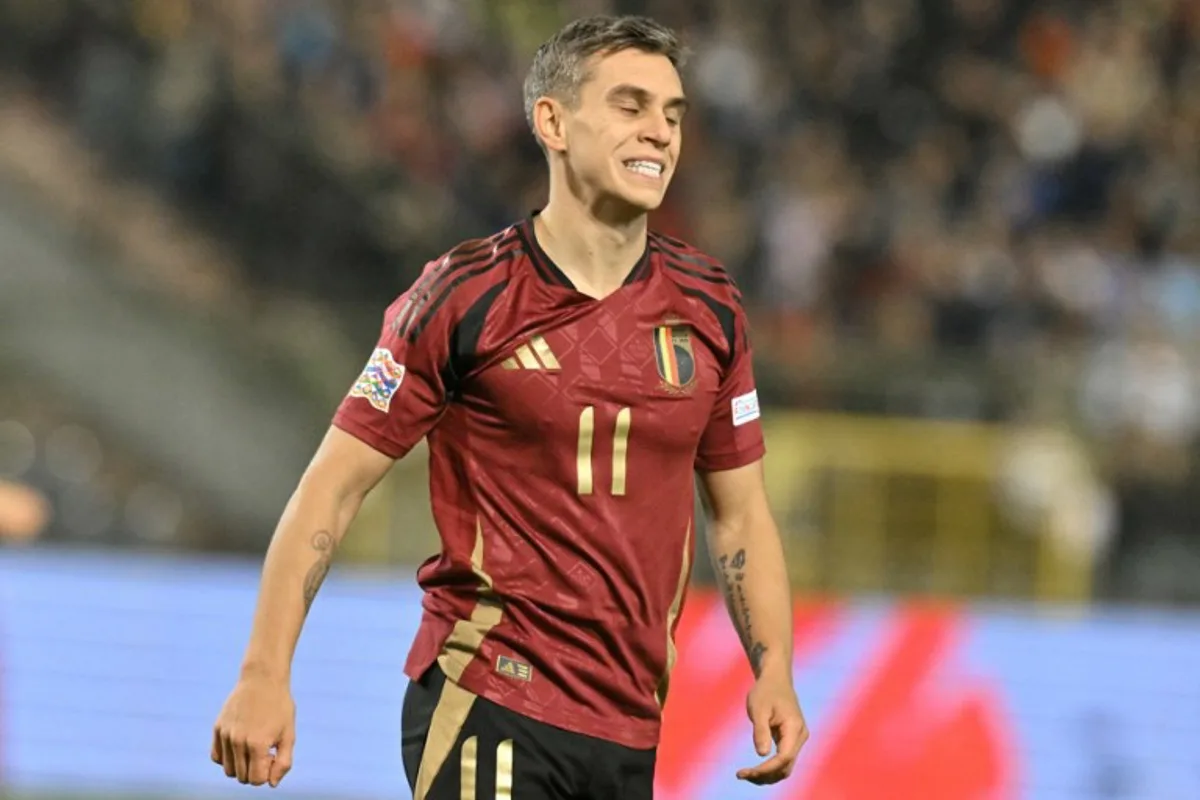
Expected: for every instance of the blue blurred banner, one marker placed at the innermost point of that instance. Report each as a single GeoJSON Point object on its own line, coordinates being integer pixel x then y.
{"type": "Point", "coordinates": [112, 670]}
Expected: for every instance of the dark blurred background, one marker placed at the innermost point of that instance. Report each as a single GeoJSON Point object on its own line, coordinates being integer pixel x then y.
{"type": "Point", "coordinates": [970, 211]}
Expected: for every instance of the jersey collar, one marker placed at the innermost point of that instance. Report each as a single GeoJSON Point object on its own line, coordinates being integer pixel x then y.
{"type": "Point", "coordinates": [550, 272]}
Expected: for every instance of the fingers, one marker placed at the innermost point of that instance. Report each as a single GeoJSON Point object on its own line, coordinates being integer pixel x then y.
{"type": "Point", "coordinates": [227, 757]}
{"type": "Point", "coordinates": [774, 769]}
{"type": "Point", "coordinates": [260, 763]}
{"type": "Point", "coordinates": [762, 735]}
{"type": "Point", "coordinates": [283, 757]}
{"type": "Point", "coordinates": [254, 757]}
{"type": "Point", "coordinates": [252, 761]}
{"type": "Point", "coordinates": [254, 733]}
{"type": "Point", "coordinates": [792, 734]}
{"type": "Point", "coordinates": [241, 752]}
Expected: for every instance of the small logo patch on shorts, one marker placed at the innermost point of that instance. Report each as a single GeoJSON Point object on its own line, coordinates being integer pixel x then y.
{"type": "Point", "coordinates": [511, 668]}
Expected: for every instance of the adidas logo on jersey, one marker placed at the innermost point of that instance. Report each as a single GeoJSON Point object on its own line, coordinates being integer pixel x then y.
{"type": "Point", "coordinates": [535, 355]}
{"type": "Point", "coordinates": [511, 668]}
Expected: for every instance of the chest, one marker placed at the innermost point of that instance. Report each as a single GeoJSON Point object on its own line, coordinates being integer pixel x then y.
{"type": "Point", "coordinates": [645, 367]}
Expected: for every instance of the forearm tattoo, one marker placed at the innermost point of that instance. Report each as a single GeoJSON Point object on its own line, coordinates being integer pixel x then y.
{"type": "Point", "coordinates": [323, 543]}
{"type": "Point", "coordinates": [732, 573]}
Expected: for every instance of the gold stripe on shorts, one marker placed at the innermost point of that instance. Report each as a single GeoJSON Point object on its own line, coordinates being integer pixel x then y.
{"type": "Point", "coordinates": [449, 717]}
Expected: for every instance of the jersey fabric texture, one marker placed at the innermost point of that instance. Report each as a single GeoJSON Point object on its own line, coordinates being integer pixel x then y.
{"type": "Point", "coordinates": [564, 432]}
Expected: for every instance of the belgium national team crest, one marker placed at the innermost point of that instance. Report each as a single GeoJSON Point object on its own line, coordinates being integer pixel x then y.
{"type": "Point", "coordinates": [676, 360]}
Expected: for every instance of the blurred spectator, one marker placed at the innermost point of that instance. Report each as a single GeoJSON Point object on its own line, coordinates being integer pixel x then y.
{"type": "Point", "coordinates": [24, 513]}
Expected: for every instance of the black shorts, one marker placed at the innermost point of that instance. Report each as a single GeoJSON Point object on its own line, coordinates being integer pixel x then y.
{"type": "Point", "coordinates": [458, 746]}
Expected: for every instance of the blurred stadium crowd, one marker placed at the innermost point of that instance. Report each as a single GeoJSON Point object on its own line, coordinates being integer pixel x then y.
{"type": "Point", "coordinates": [952, 209]}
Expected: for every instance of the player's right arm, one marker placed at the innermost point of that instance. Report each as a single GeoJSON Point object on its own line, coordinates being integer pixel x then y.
{"type": "Point", "coordinates": [393, 404]}
{"type": "Point", "coordinates": [327, 499]}
{"type": "Point", "coordinates": [259, 714]}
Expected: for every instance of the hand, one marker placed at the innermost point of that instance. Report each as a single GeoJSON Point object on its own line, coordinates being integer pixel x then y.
{"type": "Point", "coordinates": [776, 716]}
{"type": "Point", "coordinates": [256, 731]}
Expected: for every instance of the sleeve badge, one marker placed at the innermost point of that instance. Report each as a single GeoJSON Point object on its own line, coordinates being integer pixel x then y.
{"type": "Point", "coordinates": [379, 380]}
{"type": "Point", "coordinates": [745, 408]}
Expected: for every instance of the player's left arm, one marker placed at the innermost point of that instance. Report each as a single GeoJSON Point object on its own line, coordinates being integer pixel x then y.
{"type": "Point", "coordinates": [748, 559]}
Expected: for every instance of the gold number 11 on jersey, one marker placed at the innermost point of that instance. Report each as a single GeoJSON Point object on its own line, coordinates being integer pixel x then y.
{"type": "Point", "coordinates": [583, 456]}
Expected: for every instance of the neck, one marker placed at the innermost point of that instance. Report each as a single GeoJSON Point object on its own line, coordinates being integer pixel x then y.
{"type": "Point", "coordinates": [596, 247]}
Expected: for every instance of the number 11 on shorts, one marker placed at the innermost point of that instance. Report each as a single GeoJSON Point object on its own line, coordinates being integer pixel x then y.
{"type": "Point", "coordinates": [470, 769]}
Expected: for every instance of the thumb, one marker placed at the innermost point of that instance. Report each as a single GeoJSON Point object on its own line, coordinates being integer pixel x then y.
{"type": "Point", "coordinates": [283, 756]}
{"type": "Point", "coordinates": [762, 733]}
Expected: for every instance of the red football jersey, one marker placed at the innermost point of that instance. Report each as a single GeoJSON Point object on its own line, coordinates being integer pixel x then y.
{"type": "Point", "coordinates": [564, 432]}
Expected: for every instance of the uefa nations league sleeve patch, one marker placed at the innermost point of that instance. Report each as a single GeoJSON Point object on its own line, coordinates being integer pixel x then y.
{"type": "Point", "coordinates": [745, 408]}
{"type": "Point", "coordinates": [379, 380]}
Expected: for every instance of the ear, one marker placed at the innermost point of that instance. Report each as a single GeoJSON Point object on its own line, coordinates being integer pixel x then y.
{"type": "Point", "coordinates": [549, 120]}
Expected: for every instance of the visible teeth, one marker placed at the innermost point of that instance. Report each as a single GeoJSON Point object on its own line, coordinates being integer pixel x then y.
{"type": "Point", "coordinates": [648, 168]}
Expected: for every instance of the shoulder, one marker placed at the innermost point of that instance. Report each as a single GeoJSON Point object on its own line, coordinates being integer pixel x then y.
{"type": "Point", "coordinates": [704, 280]}
{"type": "Point", "coordinates": [468, 260]}
{"type": "Point", "coordinates": [697, 273]}
{"type": "Point", "coordinates": [491, 251]}
{"type": "Point", "coordinates": [456, 283]}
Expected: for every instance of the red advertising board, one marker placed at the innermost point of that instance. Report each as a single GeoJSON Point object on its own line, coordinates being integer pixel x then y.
{"type": "Point", "coordinates": [905, 728]}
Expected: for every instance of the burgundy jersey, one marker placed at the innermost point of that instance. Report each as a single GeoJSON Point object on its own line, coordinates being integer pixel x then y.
{"type": "Point", "coordinates": [564, 432]}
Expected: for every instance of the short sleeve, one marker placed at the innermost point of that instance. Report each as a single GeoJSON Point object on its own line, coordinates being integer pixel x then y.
{"type": "Point", "coordinates": [401, 392]}
{"type": "Point", "coordinates": [733, 437]}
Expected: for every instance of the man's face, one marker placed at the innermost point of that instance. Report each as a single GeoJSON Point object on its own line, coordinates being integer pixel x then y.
{"type": "Point", "coordinates": [624, 136]}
